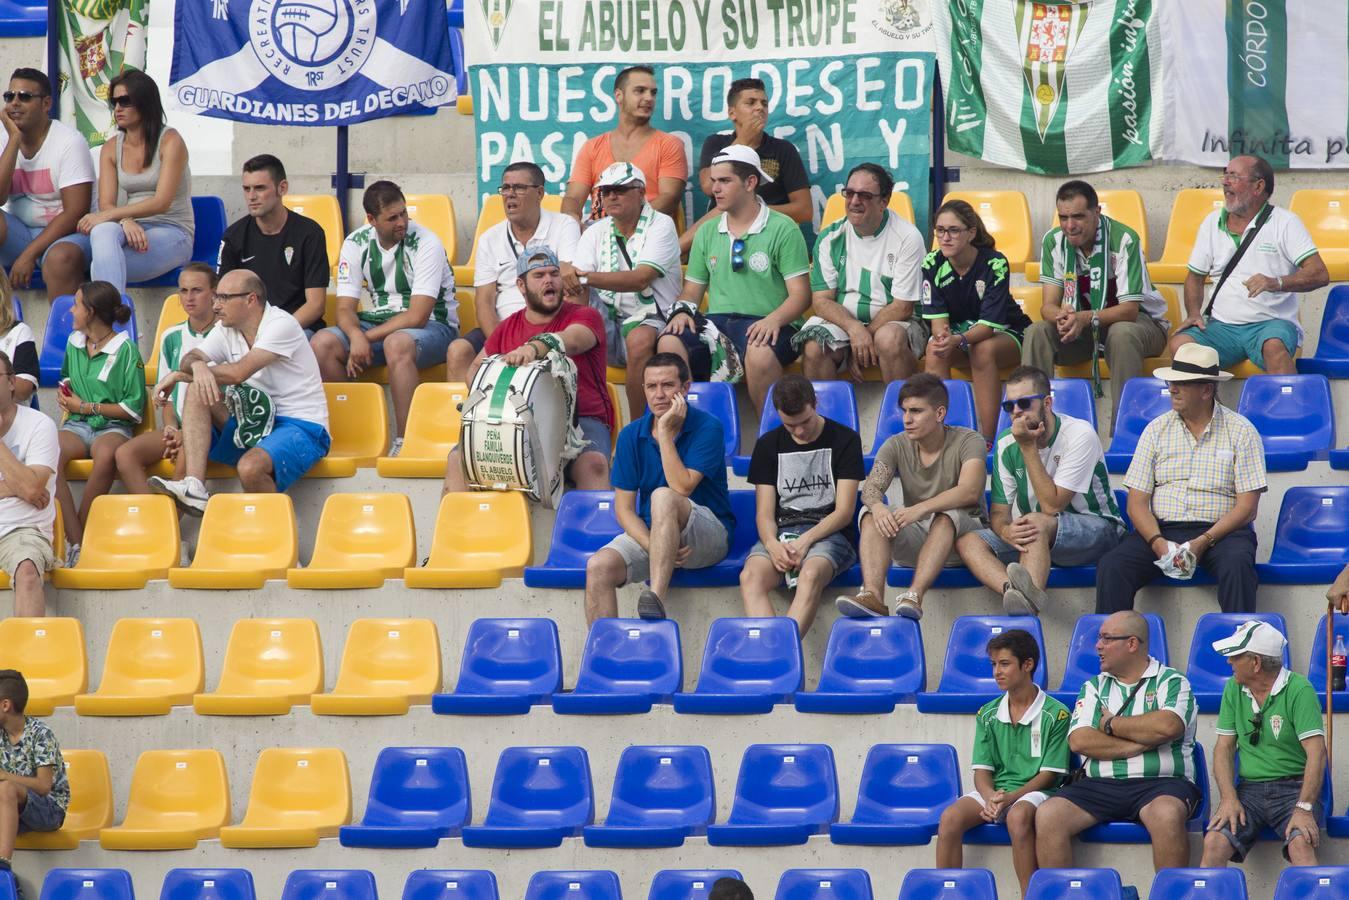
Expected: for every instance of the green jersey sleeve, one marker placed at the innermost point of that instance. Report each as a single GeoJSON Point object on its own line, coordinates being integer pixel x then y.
{"type": "Point", "coordinates": [1056, 755]}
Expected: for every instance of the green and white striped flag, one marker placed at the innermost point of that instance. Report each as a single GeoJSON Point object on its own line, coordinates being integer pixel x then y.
{"type": "Point", "coordinates": [1052, 87]}
{"type": "Point", "coordinates": [99, 38]}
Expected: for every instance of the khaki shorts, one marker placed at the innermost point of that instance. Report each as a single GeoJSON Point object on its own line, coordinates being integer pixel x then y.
{"type": "Point", "coordinates": [24, 544]}
{"type": "Point", "coordinates": [703, 532]}
{"type": "Point", "coordinates": [905, 546]}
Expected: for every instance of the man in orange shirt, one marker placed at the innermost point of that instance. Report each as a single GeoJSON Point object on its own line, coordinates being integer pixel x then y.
{"type": "Point", "coordinates": [661, 156]}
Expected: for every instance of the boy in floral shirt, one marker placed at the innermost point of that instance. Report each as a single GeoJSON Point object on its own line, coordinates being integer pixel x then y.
{"type": "Point", "coordinates": [34, 792]}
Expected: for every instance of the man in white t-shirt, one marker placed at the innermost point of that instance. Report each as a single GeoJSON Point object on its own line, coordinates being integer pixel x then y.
{"type": "Point", "coordinates": [495, 295]}
{"type": "Point", "coordinates": [1254, 314]}
{"type": "Point", "coordinates": [270, 421]}
{"type": "Point", "coordinates": [29, 454]}
{"type": "Point", "coordinates": [627, 267]}
{"type": "Point", "coordinates": [46, 186]}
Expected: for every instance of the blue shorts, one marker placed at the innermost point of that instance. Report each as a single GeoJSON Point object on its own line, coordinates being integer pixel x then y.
{"type": "Point", "coordinates": [834, 548]}
{"type": "Point", "coordinates": [1238, 343]}
{"type": "Point", "coordinates": [1082, 539]}
{"type": "Point", "coordinates": [598, 438]}
{"type": "Point", "coordinates": [294, 445]}
{"type": "Point", "coordinates": [432, 340]}
{"type": "Point", "coordinates": [40, 813]}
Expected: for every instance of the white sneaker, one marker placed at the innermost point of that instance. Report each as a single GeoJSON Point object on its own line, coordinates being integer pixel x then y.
{"type": "Point", "coordinates": [189, 493]}
{"type": "Point", "coordinates": [72, 555]}
{"type": "Point", "coordinates": [397, 447]}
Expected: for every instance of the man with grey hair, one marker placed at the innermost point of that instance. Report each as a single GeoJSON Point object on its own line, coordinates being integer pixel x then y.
{"type": "Point", "coordinates": [1273, 718]}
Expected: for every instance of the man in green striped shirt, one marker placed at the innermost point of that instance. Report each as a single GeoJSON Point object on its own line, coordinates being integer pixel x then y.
{"type": "Point", "coordinates": [1134, 727]}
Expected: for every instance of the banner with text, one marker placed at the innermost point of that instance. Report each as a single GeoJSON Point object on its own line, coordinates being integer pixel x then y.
{"type": "Point", "coordinates": [849, 81]}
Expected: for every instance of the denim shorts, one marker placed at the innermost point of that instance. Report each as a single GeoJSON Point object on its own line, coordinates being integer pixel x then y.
{"type": "Point", "coordinates": [703, 532]}
{"type": "Point", "coordinates": [40, 813]}
{"type": "Point", "coordinates": [837, 550]}
{"type": "Point", "coordinates": [293, 445]}
{"type": "Point", "coordinates": [80, 428]}
{"type": "Point", "coordinates": [432, 340]}
{"type": "Point", "coordinates": [598, 438]}
{"type": "Point", "coordinates": [1082, 539]}
{"type": "Point", "coordinates": [1268, 803]}
{"type": "Point", "coordinates": [1238, 343]}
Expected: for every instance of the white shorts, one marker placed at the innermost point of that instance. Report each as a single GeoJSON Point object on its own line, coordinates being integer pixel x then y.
{"type": "Point", "coordinates": [1034, 798]}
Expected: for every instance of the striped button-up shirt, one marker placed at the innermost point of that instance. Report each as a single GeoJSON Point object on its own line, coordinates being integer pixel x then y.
{"type": "Point", "coordinates": [1162, 687]}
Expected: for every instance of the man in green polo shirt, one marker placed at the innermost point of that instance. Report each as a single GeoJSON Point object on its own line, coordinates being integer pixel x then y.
{"type": "Point", "coordinates": [753, 263]}
{"type": "Point", "coordinates": [1020, 757]}
{"type": "Point", "coordinates": [1273, 717]}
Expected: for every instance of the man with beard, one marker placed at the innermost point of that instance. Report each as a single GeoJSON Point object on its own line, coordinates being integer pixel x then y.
{"type": "Point", "coordinates": [1252, 312]}
{"type": "Point", "coordinates": [528, 335]}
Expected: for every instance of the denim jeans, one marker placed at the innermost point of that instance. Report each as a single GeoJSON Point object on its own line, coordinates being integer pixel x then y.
{"type": "Point", "coordinates": [112, 260]}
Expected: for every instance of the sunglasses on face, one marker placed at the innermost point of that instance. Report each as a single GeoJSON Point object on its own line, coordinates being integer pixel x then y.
{"type": "Point", "coordinates": [612, 190]}
{"type": "Point", "coordinates": [122, 100]}
{"type": "Point", "coordinates": [1021, 403]}
{"type": "Point", "coordinates": [737, 254]}
{"type": "Point", "coordinates": [865, 196]}
{"type": "Point", "coordinates": [21, 96]}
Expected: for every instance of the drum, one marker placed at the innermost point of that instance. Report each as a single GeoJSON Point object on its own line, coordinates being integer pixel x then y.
{"type": "Point", "coordinates": [514, 430]}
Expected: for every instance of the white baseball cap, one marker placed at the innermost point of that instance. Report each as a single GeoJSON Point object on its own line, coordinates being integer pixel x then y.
{"type": "Point", "coordinates": [620, 174]}
{"type": "Point", "coordinates": [1252, 637]}
{"type": "Point", "coordinates": [742, 154]}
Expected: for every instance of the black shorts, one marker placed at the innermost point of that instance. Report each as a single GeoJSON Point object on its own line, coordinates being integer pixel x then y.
{"type": "Point", "coordinates": [476, 338]}
{"type": "Point", "coordinates": [1122, 799]}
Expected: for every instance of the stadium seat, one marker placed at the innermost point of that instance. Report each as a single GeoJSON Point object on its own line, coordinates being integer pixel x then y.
{"type": "Point", "coordinates": [661, 796]}
{"type": "Point", "coordinates": [687, 884]}
{"type": "Point", "coordinates": [90, 809]}
{"type": "Point", "coordinates": [418, 795]}
{"type": "Point", "coordinates": [1141, 401]}
{"type": "Point", "coordinates": [170, 313]}
{"type": "Point", "coordinates": [1134, 833]}
{"type": "Point", "coordinates": [387, 665]}
{"type": "Point", "coordinates": [128, 540]}
{"type": "Point", "coordinates": [490, 213]}
{"type": "Point", "coordinates": [245, 540]}
{"type": "Point", "coordinates": [948, 884]}
{"type": "Point", "coordinates": [904, 789]}
{"type": "Point", "coordinates": [967, 676]}
{"type": "Point", "coordinates": [436, 213]}
{"type": "Point", "coordinates": [481, 537]}
{"type": "Point", "coordinates": [1310, 545]}
{"type": "Point", "coordinates": [299, 795]}
{"type": "Point", "coordinates": [1207, 671]}
{"type": "Point", "coordinates": [1082, 662]}
{"type": "Point", "coordinates": [583, 523]}
{"type": "Point", "coordinates": [783, 794]}
{"type": "Point", "coordinates": [508, 666]}
{"type": "Point", "coordinates": [208, 231]}
{"type": "Point", "coordinates": [50, 654]}
{"type": "Point", "coordinates": [87, 884]}
{"type": "Point", "coordinates": [1075, 884]}
{"type": "Point", "coordinates": [1332, 348]}
{"type": "Point", "coordinates": [1326, 215]}
{"type": "Point", "coordinates": [749, 665]}
{"type": "Point", "coordinates": [1308, 882]}
{"type": "Point", "coordinates": [329, 884]}
{"type": "Point", "coordinates": [19, 20]}
{"type": "Point", "coordinates": [270, 665]}
{"type": "Point", "coordinates": [590, 884]}
{"type": "Point", "coordinates": [324, 210]}
{"type": "Point", "coordinates": [57, 331]}
{"type": "Point", "coordinates": [358, 421]}
{"type": "Point", "coordinates": [869, 666]}
{"type": "Point", "coordinates": [1294, 415]}
{"type": "Point", "coordinates": [208, 884]}
{"type": "Point", "coordinates": [1190, 884]}
{"type": "Point", "coordinates": [540, 795]}
{"type": "Point", "coordinates": [450, 884]}
{"type": "Point", "coordinates": [178, 797]}
{"type": "Point", "coordinates": [432, 432]}
{"type": "Point", "coordinates": [836, 207]}
{"type": "Point", "coordinates": [1123, 206]}
{"type": "Point", "coordinates": [890, 418]}
{"type": "Point", "coordinates": [834, 400]}
{"type": "Point", "coordinates": [362, 541]}
{"type": "Point", "coordinates": [1316, 666]}
{"type": "Point", "coordinates": [1072, 397]}
{"type": "Point", "coordinates": [1188, 212]}
{"type": "Point", "coordinates": [151, 666]}
{"type": "Point", "coordinates": [717, 398]}
{"type": "Point", "coordinates": [1006, 214]}
{"type": "Point", "coordinates": [627, 665]}
{"type": "Point", "coordinates": [824, 884]}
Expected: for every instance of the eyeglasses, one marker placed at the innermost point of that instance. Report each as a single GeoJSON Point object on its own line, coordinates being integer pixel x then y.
{"type": "Point", "coordinates": [225, 297]}
{"type": "Point", "coordinates": [516, 188]}
{"type": "Point", "coordinates": [122, 100]}
{"type": "Point", "coordinates": [737, 254]}
{"type": "Point", "coordinates": [949, 232]}
{"type": "Point", "coordinates": [1108, 638]}
{"type": "Point", "coordinates": [1237, 176]}
{"type": "Point", "coordinates": [1021, 403]}
{"type": "Point", "coordinates": [865, 196]}
{"type": "Point", "coordinates": [21, 96]}
{"type": "Point", "coordinates": [1257, 722]}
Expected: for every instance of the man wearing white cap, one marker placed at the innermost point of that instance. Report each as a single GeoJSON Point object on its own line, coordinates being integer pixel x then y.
{"type": "Point", "coordinates": [753, 262]}
{"type": "Point", "coordinates": [627, 267]}
{"type": "Point", "coordinates": [1194, 487]}
{"type": "Point", "coordinates": [1273, 718]}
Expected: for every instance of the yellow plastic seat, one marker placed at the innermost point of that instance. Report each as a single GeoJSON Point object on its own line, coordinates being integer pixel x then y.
{"type": "Point", "coordinates": [481, 537]}
{"type": "Point", "coordinates": [129, 539]}
{"type": "Point", "coordinates": [170, 314]}
{"type": "Point", "coordinates": [178, 797]}
{"type": "Point", "coordinates": [432, 432]}
{"type": "Point", "coordinates": [151, 666]}
{"type": "Point", "coordinates": [50, 654]}
{"type": "Point", "coordinates": [1171, 294]}
{"type": "Point", "coordinates": [362, 540]}
{"type": "Point", "coordinates": [81, 469]}
{"type": "Point", "coordinates": [620, 419]}
{"type": "Point", "coordinates": [322, 208]}
{"type": "Point", "coordinates": [358, 420]}
{"type": "Point", "coordinates": [245, 540]}
{"type": "Point", "coordinates": [1123, 206]}
{"type": "Point", "coordinates": [436, 212]}
{"type": "Point", "coordinates": [1006, 215]}
{"type": "Point", "coordinates": [1326, 215]}
{"type": "Point", "coordinates": [836, 208]}
{"type": "Point", "coordinates": [270, 665]}
{"type": "Point", "coordinates": [1188, 212]}
{"type": "Point", "coordinates": [1030, 298]}
{"type": "Point", "coordinates": [90, 809]}
{"type": "Point", "coordinates": [387, 665]}
{"type": "Point", "coordinates": [492, 212]}
{"type": "Point", "coordinates": [298, 796]}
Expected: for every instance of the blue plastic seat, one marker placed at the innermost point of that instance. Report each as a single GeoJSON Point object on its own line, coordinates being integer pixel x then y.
{"type": "Point", "coordinates": [824, 884]}
{"type": "Point", "coordinates": [749, 665]}
{"type": "Point", "coordinates": [1072, 397]}
{"type": "Point", "coordinates": [1207, 671]}
{"type": "Point", "coordinates": [450, 884]}
{"type": "Point", "coordinates": [904, 789]}
{"type": "Point", "coordinates": [418, 795]}
{"type": "Point", "coordinates": [584, 522]}
{"type": "Point", "coordinates": [1294, 415]}
{"type": "Point", "coordinates": [627, 665]}
{"type": "Point", "coordinates": [783, 794]}
{"type": "Point", "coordinates": [1141, 401]}
{"type": "Point", "coordinates": [869, 666]}
{"type": "Point", "coordinates": [1134, 833]}
{"type": "Point", "coordinates": [890, 418]}
{"type": "Point", "coordinates": [1311, 538]}
{"type": "Point", "coordinates": [508, 666]}
{"type": "Point", "coordinates": [833, 400]}
{"type": "Point", "coordinates": [208, 884]}
{"type": "Point", "coordinates": [687, 884]}
{"type": "Point", "coordinates": [661, 796]}
{"type": "Point", "coordinates": [1332, 349]}
{"type": "Point", "coordinates": [21, 20]}
{"type": "Point", "coordinates": [1075, 884]}
{"type": "Point", "coordinates": [1316, 666]}
{"type": "Point", "coordinates": [1312, 882]}
{"type": "Point", "coordinates": [1083, 663]}
{"type": "Point", "coordinates": [727, 572]}
{"type": "Point", "coordinates": [586, 884]}
{"type": "Point", "coordinates": [209, 229]}
{"type": "Point", "coordinates": [717, 399]}
{"type": "Point", "coordinates": [948, 884]}
{"type": "Point", "coordinates": [967, 676]}
{"type": "Point", "coordinates": [1183, 884]}
{"type": "Point", "coordinates": [330, 884]}
{"type": "Point", "coordinates": [87, 884]}
{"type": "Point", "coordinates": [540, 795]}
{"type": "Point", "coordinates": [59, 326]}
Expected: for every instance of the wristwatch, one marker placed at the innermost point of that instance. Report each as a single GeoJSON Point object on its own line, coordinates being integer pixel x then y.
{"type": "Point", "coordinates": [1303, 805]}
{"type": "Point", "coordinates": [1109, 726]}
{"type": "Point", "coordinates": [585, 280]}
{"type": "Point", "coordinates": [1095, 322]}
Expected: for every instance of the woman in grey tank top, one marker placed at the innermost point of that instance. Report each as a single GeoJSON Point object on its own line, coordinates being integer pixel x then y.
{"type": "Point", "coordinates": [144, 225]}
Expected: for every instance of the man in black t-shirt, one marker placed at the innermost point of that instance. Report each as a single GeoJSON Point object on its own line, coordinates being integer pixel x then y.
{"type": "Point", "coordinates": [285, 249]}
{"type": "Point", "coordinates": [806, 473]}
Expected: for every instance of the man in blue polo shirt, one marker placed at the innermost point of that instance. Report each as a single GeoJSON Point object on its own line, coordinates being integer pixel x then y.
{"type": "Point", "coordinates": [670, 496]}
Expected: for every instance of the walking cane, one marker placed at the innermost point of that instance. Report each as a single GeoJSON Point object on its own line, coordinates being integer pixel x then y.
{"type": "Point", "coordinates": [1330, 684]}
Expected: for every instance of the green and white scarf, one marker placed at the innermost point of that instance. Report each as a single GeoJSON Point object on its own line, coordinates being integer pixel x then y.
{"type": "Point", "coordinates": [1098, 269]}
{"type": "Point", "coordinates": [252, 409]}
{"type": "Point", "coordinates": [726, 363]}
{"type": "Point", "coordinates": [617, 255]}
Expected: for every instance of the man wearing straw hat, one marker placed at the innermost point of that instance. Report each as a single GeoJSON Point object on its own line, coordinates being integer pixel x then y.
{"type": "Point", "coordinates": [1194, 486]}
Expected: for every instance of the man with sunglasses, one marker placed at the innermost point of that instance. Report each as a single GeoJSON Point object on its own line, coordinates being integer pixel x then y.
{"type": "Point", "coordinates": [1272, 717]}
{"type": "Point", "coordinates": [1051, 501]}
{"type": "Point", "coordinates": [46, 186]}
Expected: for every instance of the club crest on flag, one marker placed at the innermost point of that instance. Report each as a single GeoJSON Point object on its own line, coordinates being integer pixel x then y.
{"type": "Point", "coordinates": [496, 12]}
{"type": "Point", "coordinates": [1049, 34]}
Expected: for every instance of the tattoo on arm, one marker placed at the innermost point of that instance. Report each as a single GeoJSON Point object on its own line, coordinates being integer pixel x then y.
{"type": "Point", "coordinates": [877, 483]}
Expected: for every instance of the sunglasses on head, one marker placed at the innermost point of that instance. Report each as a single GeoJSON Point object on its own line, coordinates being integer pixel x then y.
{"type": "Point", "coordinates": [1021, 403]}
{"type": "Point", "coordinates": [737, 254]}
{"type": "Point", "coordinates": [22, 96]}
{"type": "Point", "coordinates": [122, 100]}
